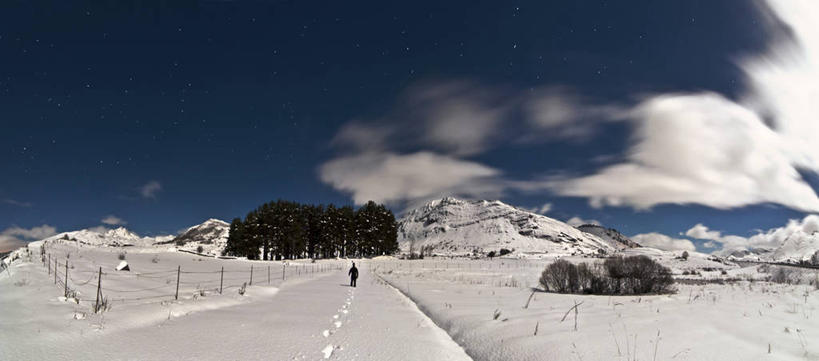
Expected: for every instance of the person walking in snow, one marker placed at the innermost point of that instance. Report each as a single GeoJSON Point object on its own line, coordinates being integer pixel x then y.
{"type": "Point", "coordinates": [353, 273]}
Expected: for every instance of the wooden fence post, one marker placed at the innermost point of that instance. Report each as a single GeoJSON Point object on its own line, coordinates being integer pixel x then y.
{"type": "Point", "coordinates": [282, 271]}
{"type": "Point", "coordinates": [99, 286]}
{"type": "Point", "coordinates": [221, 279]}
{"type": "Point", "coordinates": [66, 278]}
{"type": "Point", "coordinates": [268, 274]}
{"type": "Point", "coordinates": [178, 271]}
{"type": "Point", "coordinates": [251, 275]}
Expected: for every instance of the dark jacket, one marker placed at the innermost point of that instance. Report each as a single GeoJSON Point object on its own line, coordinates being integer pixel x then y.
{"type": "Point", "coordinates": [353, 272]}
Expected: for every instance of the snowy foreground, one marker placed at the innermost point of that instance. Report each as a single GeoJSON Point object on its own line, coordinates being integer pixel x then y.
{"type": "Point", "coordinates": [482, 305]}
{"type": "Point", "coordinates": [306, 310]}
{"type": "Point", "coordinates": [311, 315]}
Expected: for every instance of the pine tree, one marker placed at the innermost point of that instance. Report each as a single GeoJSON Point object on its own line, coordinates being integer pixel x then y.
{"type": "Point", "coordinates": [288, 230]}
{"type": "Point", "coordinates": [234, 244]}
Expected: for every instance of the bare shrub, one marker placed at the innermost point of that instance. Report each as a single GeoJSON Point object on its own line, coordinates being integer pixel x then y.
{"type": "Point", "coordinates": [121, 256]}
{"type": "Point", "coordinates": [617, 275]}
{"type": "Point", "coordinates": [781, 275]}
{"type": "Point", "coordinates": [638, 275]}
{"type": "Point", "coordinates": [560, 277]}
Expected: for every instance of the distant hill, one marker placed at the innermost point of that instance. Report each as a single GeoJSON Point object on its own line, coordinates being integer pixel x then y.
{"type": "Point", "coordinates": [451, 226]}
{"type": "Point", "coordinates": [211, 235]}
{"type": "Point", "coordinates": [610, 235]}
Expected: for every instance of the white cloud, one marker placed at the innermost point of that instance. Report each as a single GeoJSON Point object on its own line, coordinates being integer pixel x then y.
{"type": "Point", "coordinates": [461, 118]}
{"type": "Point", "coordinates": [9, 243]}
{"type": "Point", "coordinates": [663, 242]}
{"type": "Point", "coordinates": [17, 203]}
{"type": "Point", "coordinates": [545, 208]}
{"type": "Point", "coordinates": [700, 148]}
{"type": "Point", "coordinates": [706, 149]}
{"type": "Point", "coordinates": [448, 121]}
{"type": "Point", "coordinates": [559, 113]}
{"type": "Point", "coordinates": [99, 229]}
{"type": "Point", "coordinates": [577, 221]}
{"type": "Point", "coordinates": [35, 233]}
{"type": "Point", "coordinates": [700, 231]}
{"type": "Point", "coordinates": [150, 189]}
{"type": "Point", "coordinates": [364, 137]}
{"type": "Point", "coordinates": [15, 237]}
{"type": "Point", "coordinates": [113, 220]}
{"type": "Point", "coordinates": [695, 148]}
{"type": "Point", "coordinates": [388, 177]}
{"type": "Point", "coordinates": [798, 230]}
{"type": "Point", "coordinates": [451, 117]}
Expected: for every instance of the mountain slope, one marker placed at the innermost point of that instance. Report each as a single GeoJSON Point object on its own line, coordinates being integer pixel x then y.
{"type": "Point", "coordinates": [796, 248]}
{"type": "Point", "coordinates": [211, 235]}
{"type": "Point", "coordinates": [118, 237]}
{"type": "Point", "coordinates": [610, 235]}
{"type": "Point", "coordinates": [457, 227]}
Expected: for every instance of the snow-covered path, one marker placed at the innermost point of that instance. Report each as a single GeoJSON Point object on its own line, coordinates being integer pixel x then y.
{"type": "Point", "coordinates": [307, 319]}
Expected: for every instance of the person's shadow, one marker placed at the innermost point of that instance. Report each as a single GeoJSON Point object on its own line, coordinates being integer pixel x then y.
{"type": "Point", "coordinates": [346, 285]}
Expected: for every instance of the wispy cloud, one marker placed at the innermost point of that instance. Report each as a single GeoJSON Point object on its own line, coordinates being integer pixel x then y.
{"type": "Point", "coordinates": [17, 203]}
{"type": "Point", "coordinates": [663, 242]}
{"type": "Point", "coordinates": [15, 237]}
{"type": "Point", "coordinates": [706, 149]}
{"type": "Point", "coordinates": [428, 137]}
{"type": "Point", "coordinates": [799, 230]}
{"type": "Point", "coordinates": [577, 221]}
{"type": "Point", "coordinates": [686, 148]}
{"type": "Point", "coordinates": [113, 220]}
{"type": "Point", "coordinates": [558, 112]}
{"type": "Point", "coordinates": [388, 177]}
{"type": "Point", "coordinates": [545, 208]}
{"type": "Point", "coordinates": [150, 189]}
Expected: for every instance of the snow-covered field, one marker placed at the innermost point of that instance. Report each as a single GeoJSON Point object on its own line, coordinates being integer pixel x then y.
{"type": "Point", "coordinates": [312, 314]}
{"type": "Point", "coordinates": [481, 304]}
{"type": "Point", "coordinates": [432, 309]}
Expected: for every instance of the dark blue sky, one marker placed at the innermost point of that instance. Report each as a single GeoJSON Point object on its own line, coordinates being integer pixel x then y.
{"type": "Point", "coordinates": [228, 104]}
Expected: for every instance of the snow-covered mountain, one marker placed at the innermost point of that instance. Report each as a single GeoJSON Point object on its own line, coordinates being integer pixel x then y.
{"type": "Point", "coordinates": [610, 235]}
{"type": "Point", "coordinates": [751, 254]}
{"type": "Point", "coordinates": [118, 237]}
{"type": "Point", "coordinates": [458, 227]}
{"type": "Point", "coordinates": [211, 235]}
{"type": "Point", "coordinates": [796, 248]}
{"type": "Point", "coordinates": [797, 242]}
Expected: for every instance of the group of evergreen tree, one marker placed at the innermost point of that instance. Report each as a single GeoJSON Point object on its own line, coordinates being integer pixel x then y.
{"type": "Point", "coordinates": [289, 230]}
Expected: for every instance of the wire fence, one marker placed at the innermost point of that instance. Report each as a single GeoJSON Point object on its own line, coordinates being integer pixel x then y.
{"type": "Point", "coordinates": [76, 280]}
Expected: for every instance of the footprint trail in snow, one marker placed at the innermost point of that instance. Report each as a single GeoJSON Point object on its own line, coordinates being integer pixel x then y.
{"type": "Point", "coordinates": [337, 323]}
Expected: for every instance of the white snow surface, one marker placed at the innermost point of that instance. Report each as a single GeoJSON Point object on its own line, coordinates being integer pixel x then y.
{"type": "Point", "coordinates": [451, 226]}
{"type": "Point", "coordinates": [311, 315]}
{"type": "Point", "coordinates": [482, 305]}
